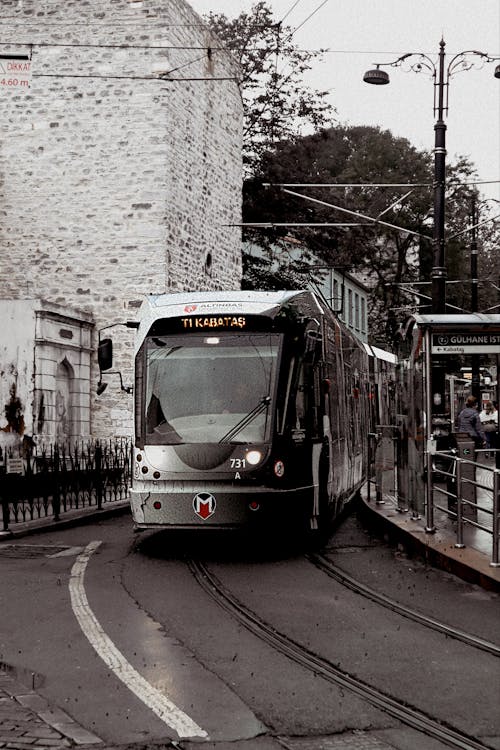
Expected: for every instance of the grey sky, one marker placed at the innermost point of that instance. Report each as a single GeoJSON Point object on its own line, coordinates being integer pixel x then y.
{"type": "Point", "coordinates": [361, 32]}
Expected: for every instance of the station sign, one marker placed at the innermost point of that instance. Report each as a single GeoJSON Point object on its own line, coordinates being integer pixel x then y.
{"type": "Point", "coordinates": [15, 72]}
{"type": "Point", "coordinates": [458, 342]}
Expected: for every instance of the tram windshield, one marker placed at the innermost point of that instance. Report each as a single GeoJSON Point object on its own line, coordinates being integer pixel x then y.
{"type": "Point", "coordinates": [210, 389]}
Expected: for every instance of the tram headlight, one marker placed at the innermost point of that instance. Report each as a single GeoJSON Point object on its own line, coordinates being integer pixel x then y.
{"type": "Point", "coordinates": [253, 457]}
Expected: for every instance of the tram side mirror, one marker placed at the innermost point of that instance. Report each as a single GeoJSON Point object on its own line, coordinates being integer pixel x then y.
{"type": "Point", "coordinates": [105, 354]}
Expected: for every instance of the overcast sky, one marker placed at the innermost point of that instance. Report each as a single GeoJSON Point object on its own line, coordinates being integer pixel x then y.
{"type": "Point", "coordinates": [358, 33]}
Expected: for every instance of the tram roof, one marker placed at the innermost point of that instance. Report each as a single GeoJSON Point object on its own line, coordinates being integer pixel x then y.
{"type": "Point", "coordinates": [236, 302]}
{"type": "Point", "coordinates": [271, 298]}
{"type": "Point", "coordinates": [375, 351]}
{"type": "Point", "coordinates": [230, 302]}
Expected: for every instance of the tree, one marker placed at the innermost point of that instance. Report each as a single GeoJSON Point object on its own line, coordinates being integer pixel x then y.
{"type": "Point", "coordinates": [279, 109]}
{"type": "Point", "coordinates": [359, 156]}
{"type": "Point", "coordinates": [362, 157]}
{"type": "Point", "coordinates": [464, 201]}
{"type": "Point", "coordinates": [277, 104]}
{"type": "Point", "coordinates": [488, 240]}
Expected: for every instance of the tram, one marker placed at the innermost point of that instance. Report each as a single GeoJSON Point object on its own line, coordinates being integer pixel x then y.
{"type": "Point", "coordinates": [250, 408]}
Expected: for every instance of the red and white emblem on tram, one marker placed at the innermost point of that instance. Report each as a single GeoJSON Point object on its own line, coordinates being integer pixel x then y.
{"type": "Point", "coordinates": [204, 505]}
{"type": "Point", "coordinates": [190, 308]}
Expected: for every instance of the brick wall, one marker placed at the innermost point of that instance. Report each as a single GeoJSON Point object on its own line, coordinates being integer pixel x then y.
{"type": "Point", "coordinates": [114, 183]}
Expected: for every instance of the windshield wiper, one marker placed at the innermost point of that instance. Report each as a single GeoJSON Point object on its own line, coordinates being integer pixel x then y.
{"type": "Point", "coordinates": [263, 405]}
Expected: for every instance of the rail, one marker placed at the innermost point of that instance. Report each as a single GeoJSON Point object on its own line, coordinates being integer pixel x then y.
{"type": "Point", "coordinates": [46, 482]}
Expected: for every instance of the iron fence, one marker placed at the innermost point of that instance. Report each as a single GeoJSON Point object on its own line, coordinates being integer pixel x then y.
{"type": "Point", "coordinates": [47, 481]}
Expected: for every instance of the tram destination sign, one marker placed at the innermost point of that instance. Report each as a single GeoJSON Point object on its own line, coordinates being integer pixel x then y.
{"type": "Point", "coordinates": [466, 343]}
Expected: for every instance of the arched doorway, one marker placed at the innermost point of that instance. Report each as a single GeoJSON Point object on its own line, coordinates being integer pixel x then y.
{"type": "Point", "coordinates": [63, 401]}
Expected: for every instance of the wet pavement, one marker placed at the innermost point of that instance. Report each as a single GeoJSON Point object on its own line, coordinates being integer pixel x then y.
{"type": "Point", "coordinates": [28, 721]}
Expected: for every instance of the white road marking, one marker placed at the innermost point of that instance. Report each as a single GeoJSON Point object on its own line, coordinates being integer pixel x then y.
{"type": "Point", "coordinates": [162, 706]}
{"type": "Point", "coordinates": [69, 552]}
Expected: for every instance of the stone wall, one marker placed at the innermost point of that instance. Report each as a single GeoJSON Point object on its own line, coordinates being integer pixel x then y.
{"type": "Point", "coordinates": [116, 183]}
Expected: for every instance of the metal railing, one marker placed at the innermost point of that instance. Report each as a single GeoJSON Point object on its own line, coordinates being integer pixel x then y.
{"type": "Point", "coordinates": [472, 490]}
{"type": "Point", "coordinates": [475, 480]}
{"type": "Point", "coordinates": [45, 482]}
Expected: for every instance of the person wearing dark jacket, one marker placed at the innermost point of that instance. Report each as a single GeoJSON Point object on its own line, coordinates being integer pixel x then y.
{"type": "Point", "coordinates": [469, 422]}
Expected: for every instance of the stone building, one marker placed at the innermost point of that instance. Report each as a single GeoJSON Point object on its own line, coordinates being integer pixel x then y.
{"type": "Point", "coordinates": [120, 176]}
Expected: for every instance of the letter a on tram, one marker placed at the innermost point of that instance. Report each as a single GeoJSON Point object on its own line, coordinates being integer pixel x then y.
{"type": "Point", "coordinates": [204, 505]}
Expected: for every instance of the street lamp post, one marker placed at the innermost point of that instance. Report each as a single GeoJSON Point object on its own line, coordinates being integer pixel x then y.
{"type": "Point", "coordinates": [474, 281]}
{"type": "Point", "coordinates": [441, 75]}
{"type": "Point", "coordinates": [438, 276]}
{"type": "Point", "coordinates": [475, 386]}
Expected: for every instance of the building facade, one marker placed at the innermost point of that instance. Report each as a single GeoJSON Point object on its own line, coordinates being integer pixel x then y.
{"type": "Point", "coordinates": [349, 298]}
{"type": "Point", "coordinates": [120, 176]}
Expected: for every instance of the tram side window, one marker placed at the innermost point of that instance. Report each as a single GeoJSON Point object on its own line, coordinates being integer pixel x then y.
{"type": "Point", "coordinates": [300, 400]}
{"type": "Point", "coordinates": [331, 376]}
{"type": "Point", "coordinates": [138, 396]}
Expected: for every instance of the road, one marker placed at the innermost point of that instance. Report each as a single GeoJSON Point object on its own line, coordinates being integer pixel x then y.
{"type": "Point", "coordinates": [148, 639]}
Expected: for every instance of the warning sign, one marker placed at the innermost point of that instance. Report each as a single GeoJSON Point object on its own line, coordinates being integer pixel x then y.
{"type": "Point", "coordinates": [14, 465]}
{"type": "Point", "coordinates": [15, 72]}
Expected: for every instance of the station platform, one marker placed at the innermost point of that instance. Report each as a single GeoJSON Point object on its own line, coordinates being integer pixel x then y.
{"type": "Point", "coordinates": [470, 562]}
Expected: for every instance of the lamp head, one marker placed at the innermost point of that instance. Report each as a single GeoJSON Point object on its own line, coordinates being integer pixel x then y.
{"type": "Point", "coordinates": [376, 76]}
{"type": "Point", "coordinates": [101, 387]}
{"type": "Point", "coordinates": [497, 71]}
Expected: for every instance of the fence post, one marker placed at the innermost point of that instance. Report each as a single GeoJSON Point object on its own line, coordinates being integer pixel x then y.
{"type": "Point", "coordinates": [429, 510]}
{"type": "Point", "coordinates": [56, 499]}
{"type": "Point", "coordinates": [5, 506]}
{"type": "Point", "coordinates": [460, 526]}
{"type": "Point", "coordinates": [98, 473]}
{"type": "Point", "coordinates": [496, 520]}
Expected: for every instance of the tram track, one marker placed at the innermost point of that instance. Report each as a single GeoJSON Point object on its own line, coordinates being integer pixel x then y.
{"type": "Point", "coordinates": [333, 571]}
{"type": "Point", "coordinates": [400, 710]}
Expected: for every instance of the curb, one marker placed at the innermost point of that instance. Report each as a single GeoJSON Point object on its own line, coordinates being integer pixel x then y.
{"type": "Point", "coordinates": [71, 518]}
{"type": "Point", "coordinates": [63, 732]}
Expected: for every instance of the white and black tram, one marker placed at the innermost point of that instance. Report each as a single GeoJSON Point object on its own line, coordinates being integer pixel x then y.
{"type": "Point", "coordinates": [249, 407]}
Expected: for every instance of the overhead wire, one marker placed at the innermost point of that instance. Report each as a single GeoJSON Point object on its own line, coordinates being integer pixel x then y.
{"type": "Point", "coordinates": [160, 78]}
{"type": "Point", "coordinates": [214, 48]}
{"type": "Point", "coordinates": [309, 17]}
{"type": "Point", "coordinates": [290, 10]}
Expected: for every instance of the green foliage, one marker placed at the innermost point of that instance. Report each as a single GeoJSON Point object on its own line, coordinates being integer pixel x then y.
{"type": "Point", "coordinates": [277, 104]}
{"type": "Point", "coordinates": [279, 109]}
{"type": "Point", "coordinates": [359, 156]}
